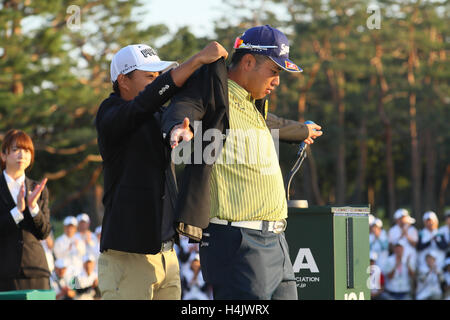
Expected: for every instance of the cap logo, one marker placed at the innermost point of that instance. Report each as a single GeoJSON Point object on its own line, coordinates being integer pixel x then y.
{"type": "Point", "coordinates": [291, 66]}
{"type": "Point", "coordinates": [127, 68]}
{"type": "Point", "coordinates": [284, 49]}
{"type": "Point", "coordinates": [148, 52]}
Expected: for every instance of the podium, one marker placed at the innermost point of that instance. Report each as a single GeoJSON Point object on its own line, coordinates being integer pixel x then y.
{"type": "Point", "coordinates": [329, 250]}
{"type": "Point", "coordinates": [28, 295]}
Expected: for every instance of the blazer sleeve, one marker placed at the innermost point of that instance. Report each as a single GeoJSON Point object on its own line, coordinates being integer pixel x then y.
{"type": "Point", "coordinates": [42, 219]}
{"type": "Point", "coordinates": [117, 120]}
{"type": "Point", "coordinates": [38, 225]}
{"type": "Point", "coordinates": [290, 130]}
{"type": "Point", "coordinates": [187, 103]}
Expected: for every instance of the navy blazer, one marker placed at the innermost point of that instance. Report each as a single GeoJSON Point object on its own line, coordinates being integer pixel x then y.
{"type": "Point", "coordinates": [21, 253]}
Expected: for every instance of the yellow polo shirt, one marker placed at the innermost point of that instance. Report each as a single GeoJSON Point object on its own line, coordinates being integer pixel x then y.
{"type": "Point", "coordinates": [246, 180]}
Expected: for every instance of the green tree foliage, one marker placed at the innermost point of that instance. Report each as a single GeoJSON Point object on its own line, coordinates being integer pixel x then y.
{"type": "Point", "coordinates": [54, 76]}
{"type": "Point", "coordinates": [375, 77]}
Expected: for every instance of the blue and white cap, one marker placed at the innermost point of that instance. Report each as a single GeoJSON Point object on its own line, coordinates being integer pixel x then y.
{"type": "Point", "coordinates": [270, 42]}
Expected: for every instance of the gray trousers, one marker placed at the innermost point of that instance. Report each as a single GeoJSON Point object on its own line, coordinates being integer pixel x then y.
{"type": "Point", "coordinates": [245, 264]}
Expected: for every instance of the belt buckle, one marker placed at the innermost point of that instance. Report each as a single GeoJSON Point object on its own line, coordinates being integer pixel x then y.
{"type": "Point", "coordinates": [279, 226]}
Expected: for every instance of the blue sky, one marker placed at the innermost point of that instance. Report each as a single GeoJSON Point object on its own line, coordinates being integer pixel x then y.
{"type": "Point", "coordinates": [199, 15]}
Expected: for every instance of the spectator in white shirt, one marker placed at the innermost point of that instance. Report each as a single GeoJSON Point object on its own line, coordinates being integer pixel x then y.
{"type": "Point", "coordinates": [194, 287]}
{"type": "Point", "coordinates": [85, 235]}
{"type": "Point", "coordinates": [430, 239]}
{"type": "Point", "coordinates": [87, 282]}
{"type": "Point", "coordinates": [69, 247]}
{"type": "Point", "coordinates": [403, 229]}
{"type": "Point", "coordinates": [376, 279]}
{"type": "Point", "coordinates": [429, 279]}
{"type": "Point", "coordinates": [62, 282]}
{"type": "Point", "coordinates": [48, 244]}
{"type": "Point", "coordinates": [378, 241]}
{"type": "Point", "coordinates": [399, 271]}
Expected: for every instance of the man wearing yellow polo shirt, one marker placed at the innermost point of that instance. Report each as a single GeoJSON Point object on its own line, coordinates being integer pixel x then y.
{"type": "Point", "coordinates": [239, 200]}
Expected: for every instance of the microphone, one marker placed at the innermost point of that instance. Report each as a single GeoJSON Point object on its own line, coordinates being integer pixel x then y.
{"type": "Point", "coordinates": [303, 145]}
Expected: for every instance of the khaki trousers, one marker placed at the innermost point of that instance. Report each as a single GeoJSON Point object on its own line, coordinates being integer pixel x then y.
{"type": "Point", "coordinates": [133, 276]}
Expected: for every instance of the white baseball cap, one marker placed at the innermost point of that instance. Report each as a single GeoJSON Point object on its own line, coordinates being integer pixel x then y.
{"type": "Point", "coordinates": [371, 219]}
{"type": "Point", "coordinates": [88, 257]}
{"type": "Point", "coordinates": [83, 217]}
{"type": "Point", "coordinates": [378, 222]}
{"type": "Point", "coordinates": [430, 215]}
{"type": "Point", "coordinates": [404, 213]}
{"type": "Point", "coordinates": [61, 263]}
{"type": "Point", "coordinates": [70, 220]}
{"type": "Point", "coordinates": [138, 57]}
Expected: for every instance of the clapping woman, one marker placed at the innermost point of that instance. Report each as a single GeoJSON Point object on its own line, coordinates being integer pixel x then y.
{"type": "Point", "coordinates": [24, 217]}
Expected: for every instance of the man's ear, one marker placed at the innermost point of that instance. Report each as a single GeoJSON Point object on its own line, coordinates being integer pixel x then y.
{"type": "Point", "coordinates": [123, 83]}
{"type": "Point", "coordinates": [248, 62]}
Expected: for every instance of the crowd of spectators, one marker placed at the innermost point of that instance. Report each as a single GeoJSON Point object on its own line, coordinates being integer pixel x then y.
{"type": "Point", "coordinates": [72, 259]}
{"type": "Point", "coordinates": [407, 263]}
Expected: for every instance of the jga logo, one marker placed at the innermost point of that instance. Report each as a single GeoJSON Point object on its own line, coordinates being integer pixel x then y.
{"type": "Point", "coordinates": [305, 261]}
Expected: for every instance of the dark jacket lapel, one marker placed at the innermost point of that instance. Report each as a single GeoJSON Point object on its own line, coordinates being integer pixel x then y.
{"type": "Point", "coordinates": [5, 195]}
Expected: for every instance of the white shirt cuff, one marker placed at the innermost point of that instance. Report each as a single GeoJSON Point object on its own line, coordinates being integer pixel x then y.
{"type": "Point", "coordinates": [34, 212]}
{"type": "Point", "coordinates": [17, 215]}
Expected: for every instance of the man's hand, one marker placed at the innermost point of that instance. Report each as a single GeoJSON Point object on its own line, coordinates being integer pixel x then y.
{"type": "Point", "coordinates": [180, 132]}
{"type": "Point", "coordinates": [314, 132]}
{"type": "Point", "coordinates": [211, 53]}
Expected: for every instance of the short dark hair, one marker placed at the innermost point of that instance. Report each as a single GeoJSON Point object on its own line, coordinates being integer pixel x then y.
{"type": "Point", "coordinates": [22, 141]}
{"type": "Point", "coordinates": [116, 88]}
{"type": "Point", "coordinates": [239, 54]}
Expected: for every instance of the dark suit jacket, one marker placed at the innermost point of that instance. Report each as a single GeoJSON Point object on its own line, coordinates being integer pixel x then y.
{"type": "Point", "coordinates": [205, 98]}
{"type": "Point", "coordinates": [135, 162]}
{"type": "Point", "coordinates": [21, 253]}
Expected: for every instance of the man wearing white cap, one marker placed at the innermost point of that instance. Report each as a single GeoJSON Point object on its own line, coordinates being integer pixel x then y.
{"type": "Point", "coordinates": [137, 259]}
{"type": "Point", "coordinates": [61, 281]}
{"type": "Point", "coordinates": [87, 282]}
{"type": "Point", "coordinates": [430, 239]}
{"type": "Point", "coordinates": [85, 235]}
{"type": "Point", "coordinates": [429, 278]}
{"type": "Point", "coordinates": [400, 270]}
{"type": "Point", "coordinates": [69, 247]}
{"type": "Point", "coordinates": [404, 229]}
